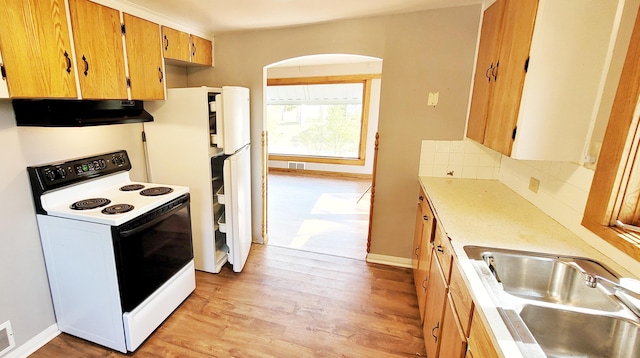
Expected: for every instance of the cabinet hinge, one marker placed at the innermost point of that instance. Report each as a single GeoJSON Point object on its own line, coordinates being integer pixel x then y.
{"type": "Point", "coordinates": [513, 134]}
{"type": "Point", "coordinates": [3, 71]}
{"type": "Point", "coordinates": [526, 65]}
{"type": "Point", "coordinates": [123, 29]}
{"type": "Point", "coordinates": [128, 82]}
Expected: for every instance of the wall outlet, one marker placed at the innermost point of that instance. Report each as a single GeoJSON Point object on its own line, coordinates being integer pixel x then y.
{"type": "Point", "coordinates": [534, 184]}
{"type": "Point", "coordinates": [433, 98]}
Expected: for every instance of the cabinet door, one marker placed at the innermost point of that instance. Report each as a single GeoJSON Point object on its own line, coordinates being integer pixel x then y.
{"type": "Point", "coordinates": [4, 90]}
{"type": "Point", "coordinates": [425, 222]}
{"type": "Point", "coordinates": [436, 294]}
{"type": "Point", "coordinates": [144, 58]}
{"type": "Point", "coordinates": [201, 51]}
{"type": "Point", "coordinates": [97, 35]}
{"type": "Point", "coordinates": [36, 49]}
{"type": "Point", "coordinates": [517, 30]}
{"type": "Point", "coordinates": [485, 70]}
{"type": "Point", "coordinates": [453, 339]}
{"type": "Point", "coordinates": [479, 341]}
{"type": "Point", "coordinates": [175, 44]}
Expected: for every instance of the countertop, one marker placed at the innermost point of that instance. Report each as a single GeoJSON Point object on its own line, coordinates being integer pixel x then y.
{"type": "Point", "coordinates": [488, 213]}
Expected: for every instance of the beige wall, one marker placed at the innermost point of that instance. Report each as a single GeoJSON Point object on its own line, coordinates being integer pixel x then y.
{"type": "Point", "coordinates": [430, 51]}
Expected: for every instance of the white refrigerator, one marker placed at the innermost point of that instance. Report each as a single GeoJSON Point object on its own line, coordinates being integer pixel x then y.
{"type": "Point", "coordinates": [200, 138]}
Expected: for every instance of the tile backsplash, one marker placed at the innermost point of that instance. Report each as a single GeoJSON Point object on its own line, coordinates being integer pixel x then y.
{"type": "Point", "coordinates": [560, 189]}
{"type": "Point", "coordinates": [458, 159]}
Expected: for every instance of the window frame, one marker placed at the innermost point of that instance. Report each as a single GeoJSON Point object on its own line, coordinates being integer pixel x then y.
{"type": "Point", "coordinates": [617, 155]}
{"type": "Point", "coordinates": [366, 80]}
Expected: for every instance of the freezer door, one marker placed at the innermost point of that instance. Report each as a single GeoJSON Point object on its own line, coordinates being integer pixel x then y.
{"type": "Point", "coordinates": [234, 113]}
{"type": "Point", "coordinates": [237, 188]}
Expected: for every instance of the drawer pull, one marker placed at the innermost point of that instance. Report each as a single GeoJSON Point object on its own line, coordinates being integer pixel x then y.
{"type": "Point", "coordinates": [435, 338]}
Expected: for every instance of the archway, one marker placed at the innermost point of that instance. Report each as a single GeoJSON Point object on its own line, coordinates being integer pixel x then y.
{"type": "Point", "coordinates": [325, 69]}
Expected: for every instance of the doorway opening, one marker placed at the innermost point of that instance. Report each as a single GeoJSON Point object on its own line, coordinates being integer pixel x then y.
{"type": "Point", "coordinates": [319, 138]}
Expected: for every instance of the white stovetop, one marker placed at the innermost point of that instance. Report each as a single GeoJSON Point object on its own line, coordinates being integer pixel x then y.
{"type": "Point", "coordinates": [58, 203]}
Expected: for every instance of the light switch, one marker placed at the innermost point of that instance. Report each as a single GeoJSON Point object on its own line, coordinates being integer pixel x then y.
{"type": "Point", "coordinates": [433, 98]}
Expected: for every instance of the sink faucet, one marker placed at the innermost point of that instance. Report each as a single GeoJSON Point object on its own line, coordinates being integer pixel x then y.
{"type": "Point", "coordinates": [491, 262]}
{"type": "Point", "coordinates": [627, 290]}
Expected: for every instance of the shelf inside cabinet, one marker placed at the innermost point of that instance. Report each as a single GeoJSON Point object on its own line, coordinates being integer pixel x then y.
{"type": "Point", "coordinates": [220, 195]}
{"type": "Point", "coordinates": [222, 224]}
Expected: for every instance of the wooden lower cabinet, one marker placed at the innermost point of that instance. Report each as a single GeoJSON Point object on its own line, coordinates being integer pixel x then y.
{"type": "Point", "coordinates": [479, 341]}
{"type": "Point", "coordinates": [451, 326]}
{"type": "Point", "coordinates": [453, 340]}
{"type": "Point", "coordinates": [436, 295]}
{"type": "Point", "coordinates": [421, 258]}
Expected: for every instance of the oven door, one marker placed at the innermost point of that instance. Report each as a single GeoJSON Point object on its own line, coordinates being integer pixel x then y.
{"type": "Point", "coordinates": [150, 249]}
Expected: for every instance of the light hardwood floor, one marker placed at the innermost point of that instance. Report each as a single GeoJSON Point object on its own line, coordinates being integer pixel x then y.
{"type": "Point", "coordinates": [319, 213]}
{"type": "Point", "coordinates": [285, 303]}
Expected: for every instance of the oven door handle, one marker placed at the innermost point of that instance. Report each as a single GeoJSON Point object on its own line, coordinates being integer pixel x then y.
{"type": "Point", "coordinates": [148, 224]}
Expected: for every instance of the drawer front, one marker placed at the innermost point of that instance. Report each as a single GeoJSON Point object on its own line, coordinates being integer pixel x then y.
{"type": "Point", "coordinates": [443, 250]}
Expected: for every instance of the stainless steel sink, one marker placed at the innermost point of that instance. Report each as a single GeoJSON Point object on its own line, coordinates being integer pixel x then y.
{"type": "Point", "coordinates": [563, 333]}
{"type": "Point", "coordinates": [551, 306]}
{"type": "Point", "coordinates": [548, 278]}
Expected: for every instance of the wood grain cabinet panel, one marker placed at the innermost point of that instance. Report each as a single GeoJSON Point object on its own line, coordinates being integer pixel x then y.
{"type": "Point", "coordinates": [515, 43]}
{"type": "Point", "coordinates": [4, 90]}
{"type": "Point", "coordinates": [36, 49]}
{"type": "Point", "coordinates": [144, 58]}
{"type": "Point", "coordinates": [175, 44]}
{"type": "Point", "coordinates": [201, 51]}
{"type": "Point", "coordinates": [479, 340]}
{"type": "Point", "coordinates": [453, 338]}
{"type": "Point", "coordinates": [97, 36]}
{"type": "Point", "coordinates": [486, 69]}
{"type": "Point", "coordinates": [425, 222]}
{"type": "Point", "coordinates": [434, 308]}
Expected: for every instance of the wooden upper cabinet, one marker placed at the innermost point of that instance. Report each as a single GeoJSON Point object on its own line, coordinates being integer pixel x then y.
{"type": "Point", "coordinates": [516, 34]}
{"type": "Point", "coordinates": [201, 51]}
{"type": "Point", "coordinates": [36, 49]}
{"type": "Point", "coordinates": [486, 70]}
{"type": "Point", "coordinates": [97, 36]}
{"type": "Point", "coordinates": [540, 96]}
{"type": "Point", "coordinates": [175, 44]}
{"type": "Point", "coordinates": [4, 90]}
{"type": "Point", "coordinates": [144, 58]}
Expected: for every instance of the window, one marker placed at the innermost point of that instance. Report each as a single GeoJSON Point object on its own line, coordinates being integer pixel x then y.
{"type": "Point", "coordinates": [318, 119]}
{"type": "Point", "coordinates": [615, 192]}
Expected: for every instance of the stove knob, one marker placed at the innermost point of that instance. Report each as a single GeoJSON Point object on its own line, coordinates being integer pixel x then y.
{"type": "Point", "coordinates": [103, 164]}
{"type": "Point", "coordinates": [61, 173]}
{"type": "Point", "coordinates": [50, 174]}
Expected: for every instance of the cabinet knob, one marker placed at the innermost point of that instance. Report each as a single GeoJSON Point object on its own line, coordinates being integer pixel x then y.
{"type": "Point", "coordinates": [487, 73]}
{"type": "Point", "coordinates": [425, 218]}
{"type": "Point", "coordinates": [416, 252]}
{"type": "Point", "coordinates": [439, 249]}
{"type": "Point", "coordinates": [420, 198]}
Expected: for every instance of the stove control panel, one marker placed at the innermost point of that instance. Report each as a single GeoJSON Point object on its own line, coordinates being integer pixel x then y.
{"type": "Point", "coordinates": [57, 175]}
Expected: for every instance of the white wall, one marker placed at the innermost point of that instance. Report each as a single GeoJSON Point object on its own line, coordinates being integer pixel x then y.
{"type": "Point", "coordinates": [25, 298]}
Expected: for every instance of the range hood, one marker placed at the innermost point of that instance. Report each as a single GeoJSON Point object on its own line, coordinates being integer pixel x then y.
{"type": "Point", "coordinates": [78, 113]}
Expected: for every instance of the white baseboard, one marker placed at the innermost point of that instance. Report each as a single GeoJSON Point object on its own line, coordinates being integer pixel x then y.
{"type": "Point", "coordinates": [389, 260]}
{"type": "Point", "coordinates": [35, 343]}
